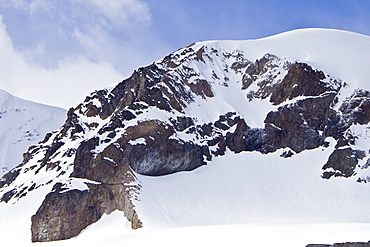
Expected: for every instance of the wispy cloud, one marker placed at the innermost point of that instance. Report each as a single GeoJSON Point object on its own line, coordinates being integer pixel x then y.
{"type": "Point", "coordinates": [96, 29]}
{"type": "Point", "coordinates": [65, 85]}
{"type": "Point", "coordinates": [121, 13]}
{"type": "Point", "coordinates": [57, 52]}
{"type": "Point", "coordinates": [118, 12]}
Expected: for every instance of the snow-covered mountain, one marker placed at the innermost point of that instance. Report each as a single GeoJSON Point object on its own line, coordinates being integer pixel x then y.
{"type": "Point", "coordinates": [269, 131]}
{"type": "Point", "coordinates": [22, 124]}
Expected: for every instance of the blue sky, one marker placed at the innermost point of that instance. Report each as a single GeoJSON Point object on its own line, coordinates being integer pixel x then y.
{"type": "Point", "coordinates": [50, 48]}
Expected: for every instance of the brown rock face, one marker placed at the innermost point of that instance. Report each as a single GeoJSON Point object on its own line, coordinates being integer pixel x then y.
{"type": "Point", "coordinates": [343, 161]}
{"type": "Point", "coordinates": [301, 80]}
{"type": "Point", "coordinates": [296, 125]}
{"type": "Point", "coordinates": [63, 215]}
{"type": "Point", "coordinates": [9, 178]}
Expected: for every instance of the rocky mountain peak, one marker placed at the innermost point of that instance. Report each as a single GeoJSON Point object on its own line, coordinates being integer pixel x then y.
{"type": "Point", "coordinates": [179, 114]}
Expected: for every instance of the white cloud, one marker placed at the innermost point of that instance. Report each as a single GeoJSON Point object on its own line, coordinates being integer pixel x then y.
{"type": "Point", "coordinates": [108, 12]}
{"type": "Point", "coordinates": [57, 52]}
{"type": "Point", "coordinates": [60, 51]}
{"type": "Point", "coordinates": [31, 6]}
{"type": "Point", "coordinates": [99, 30]}
{"type": "Point", "coordinates": [89, 43]}
{"type": "Point", "coordinates": [65, 86]}
{"type": "Point", "coordinates": [37, 5]}
{"type": "Point", "coordinates": [123, 12]}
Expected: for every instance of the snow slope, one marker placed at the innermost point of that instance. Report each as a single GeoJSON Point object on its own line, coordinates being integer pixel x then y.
{"type": "Point", "coordinates": [22, 124]}
{"type": "Point", "coordinates": [342, 54]}
{"type": "Point", "coordinates": [245, 197]}
{"type": "Point", "coordinates": [237, 200]}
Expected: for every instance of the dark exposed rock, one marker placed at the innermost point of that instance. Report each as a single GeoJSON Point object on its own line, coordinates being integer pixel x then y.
{"type": "Point", "coordinates": [287, 154]}
{"type": "Point", "coordinates": [58, 187]}
{"type": "Point", "coordinates": [254, 139]}
{"type": "Point", "coordinates": [8, 195]}
{"type": "Point", "coordinates": [202, 88]}
{"type": "Point", "coordinates": [110, 166]}
{"type": "Point", "coordinates": [300, 80]}
{"type": "Point", "coordinates": [221, 146]}
{"type": "Point", "coordinates": [50, 151]}
{"type": "Point", "coordinates": [253, 71]}
{"type": "Point", "coordinates": [70, 152]}
{"type": "Point", "coordinates": [293, 130]}
{"type": "Point", "coordinates": [236, 141]}
{"type": "Point", "coordinates": [354, 110]}
{"type": "Point", "coordinates": [241, 65]}
{"type": "Point", "coordinates": [317, 111]}
{"type": "Point", "coordinates": [137, 106]}
{"type": "Point", "coordinates": [272, 138]}
{"type": "Point", "coordinates": [65, 215]}
{"type": "Point", "coordinates": [169, 157]}
{"type": "Point", "coordinates": [71, 123]}
{"type": "Point", "coordinates": [159, 155]}
{"type": "Point", "coordinates": [342, 142]}
{"type": "Point", "coordinates": [200, 53]}
{"type": "Point", "coordinates": [205, 130]}
{"type": "Point", "coordinates": [220, 125]}
{"type": "Point", "coordinates": [359, 154]}
{"type": "Point", "coordinates": [112, 125]}
{"type": "Point", "coordinates": [84, 158]}
{"type": "Point", "coordinates": [9, 177]}
{"type": "Point", "coordinates": [182, 123]}
{"type": "Point", "coordinates": [347, 244]}
{"type": "Point", "coordinates": [296, 125]}
{"type": "Point", "coordinates": [367, 164]}
{"type": "Point", "coordinates": [342, 161]}
{"type": "Point", "coordinates": [59, 217]}
{"type": "Point", "coordinates": [33, 186]}
{"type": "Point", "coordinates": [357, 107]}
{"type": "Point", "coordinates": [47, 137]}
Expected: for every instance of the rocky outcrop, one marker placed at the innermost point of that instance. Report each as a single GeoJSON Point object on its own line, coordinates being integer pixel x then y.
{"type": "Point", "coordinates": [158, 154]}
{"type": "Point", "coordinates": [63, 215]}
{"type": "Point", "coordinates": [343, 162]}
{"type": "Point", "coordinates": [301, 80]}
{"type": "Point", "coordinates": [8, 178]}
{"type": "Point", "coordinates": [348, 244]}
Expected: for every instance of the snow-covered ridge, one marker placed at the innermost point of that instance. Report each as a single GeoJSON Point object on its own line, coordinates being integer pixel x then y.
{"type": "Point", "coordinates": [22, 124]}
{"type": "Point", "coordinates": [342, 54]}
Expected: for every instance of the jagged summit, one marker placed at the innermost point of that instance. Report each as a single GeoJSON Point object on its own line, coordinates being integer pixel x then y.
{"type": "Point", "coordinates": [254, 105]}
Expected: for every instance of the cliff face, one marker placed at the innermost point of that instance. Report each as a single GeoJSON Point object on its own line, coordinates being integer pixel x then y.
{"type": "Point", "coordinates": [177, 115]}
